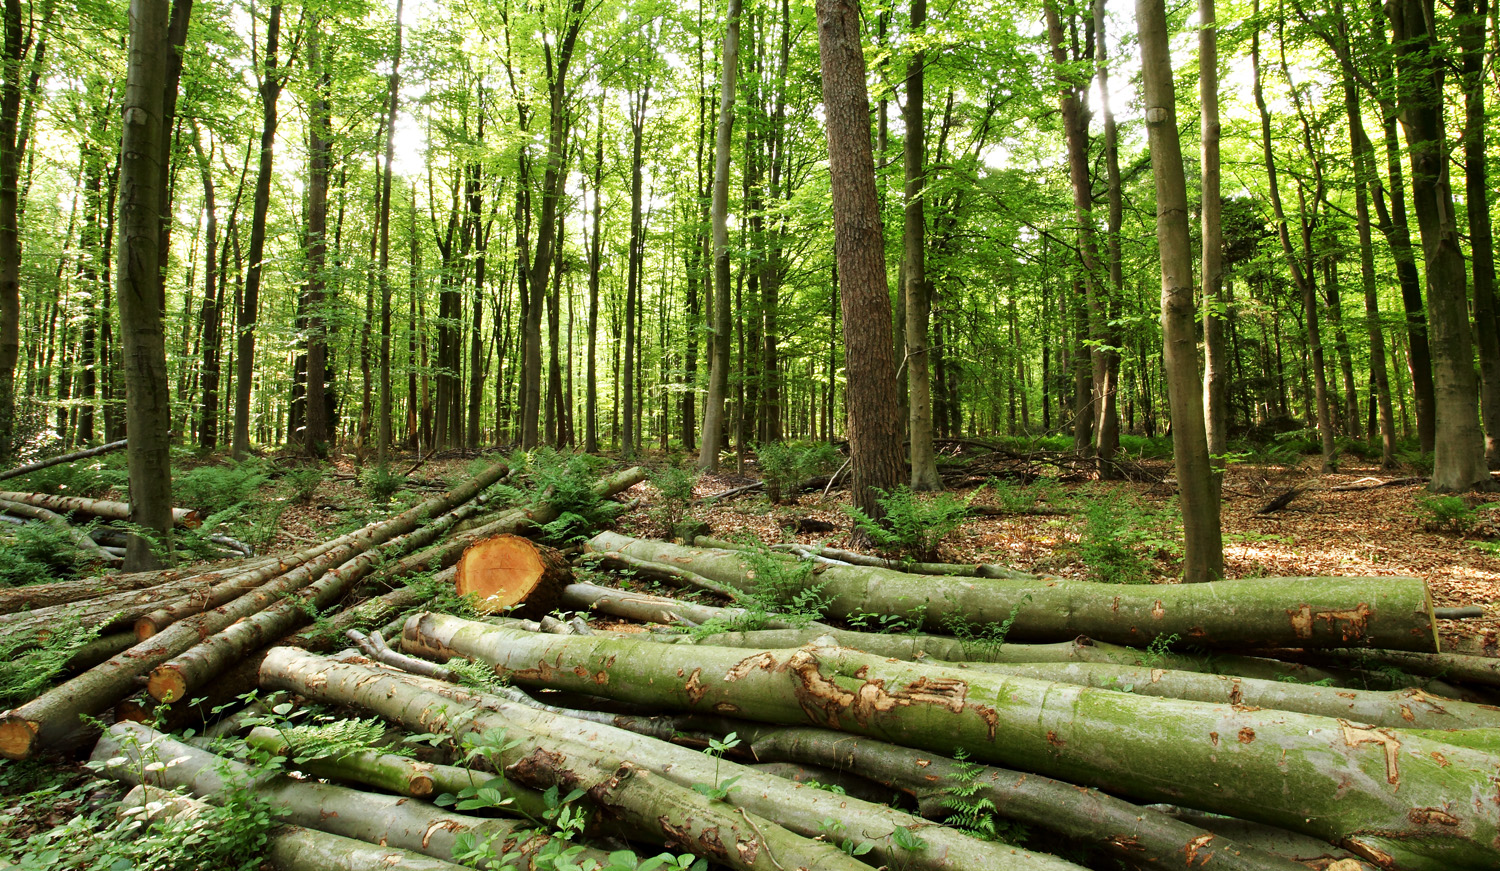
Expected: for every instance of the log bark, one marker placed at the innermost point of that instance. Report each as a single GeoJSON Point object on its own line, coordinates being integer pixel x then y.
{"type": "Point", "coordinates": [184, 517]}
{"type": "Point", "coordinates": [1483, 670]}
{"type": "Point", "coordinates": [62, 458]}
{"type": "Point", "coordinates": [56, 717]}
{"type": "Point", "coordinates": [662, 572]}
{"type": "Point", "coordinates": [1393, 613]}
{"type": "Point", "coordinates": [278, 610]}
{"type": "Point", "coordinates": [1138, 834]}
{"type": "Point", "coordinates": [801, 809]}
{"type": "Point", "coordinates": [507, 572]}
{"type": "Point", "coordinates": [36, 596]}
{"type": "Point", "coordinates": [51, 518]}
{"type": "Point", "coordinates": [983, 570]}
{"type": "Point", "coordinates": [1384, 794]}
{"type": "Point", "coordinates": [659, 609]}
{"type": "Point", "coordinates": [389, 821]}
{"type": "Point", "coordinates": [1401, 709]}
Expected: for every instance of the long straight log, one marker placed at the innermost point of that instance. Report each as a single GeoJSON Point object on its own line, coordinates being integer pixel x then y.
{"type": "Point", "coordinates": [126, 749]}
{"type": "Point", "coordinates": [657, 609]}
{"type": "Point", "coordinates": [1483, 670]}
{"type": "Point", "coordinates": [402, 700]}
{"type": "Point", "coordinates": [1393, 797]}
{"type": "Point", "coordinates": [1127, 830]}
{"type": "Point", "coordinates": [193, 668]}
{"type": "Point", "coordinates": [57, 521]}
{"type": "Point", "coordinates": [1394, 613]}
{"type": "Point", "coordinates": [35, 596]}
{"type": "Point", "coordinates": [849, 557]}
{"type": "Point", "coordinates": [56, 716]}
{"type": "Point", "coordinates": [62, 458]}
{"type": "Point", "coordinates": [184, 517]}
{"type": "Point", "coordinates": [1401, 709]}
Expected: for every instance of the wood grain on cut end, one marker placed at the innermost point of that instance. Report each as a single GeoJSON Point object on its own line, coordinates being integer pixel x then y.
{"type": "Point", "coordinates": [17, 735]}
{"type": "Point", "coordinates": [510, 572]}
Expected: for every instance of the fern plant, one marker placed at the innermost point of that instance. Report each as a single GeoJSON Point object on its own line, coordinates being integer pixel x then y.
{"type": "Point", "coordinates": [29, 663]}
{"type": "Point", "coordinates": [913, 526]}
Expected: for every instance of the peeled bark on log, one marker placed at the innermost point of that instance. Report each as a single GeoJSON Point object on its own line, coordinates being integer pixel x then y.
{"type": "Point", "coordinates": [1086, 815]}
{"type": "Point", "coordinates": [126, 748]}
{"type": "Point", "coordinates": [56, 716]}
{"type": "Point", "coordinates": [184, 517]}
{"type": "Point", "coordinates": [1401, 709]}
{"type": "Point", "coordinates": [275, 617]}
{"type": "Point", "coordinates": [62, 458]}
{"type": "Point", "coordinates": [658, 609]}
{"type": "Point", "coordinates": [400, 699]}
{"type": "Point", "coordinates": [1394, 613]}
{"type": "Point", "coordinates": [508, 572]}
{"type": "Point", "coordinates": [1307, 852]}
{"type": "Point", "coordinates": [57, 521]}
{"type": "Point", "coordinates": [982, 570]}
{"type": "Point", "coordinates": [1384, 794]}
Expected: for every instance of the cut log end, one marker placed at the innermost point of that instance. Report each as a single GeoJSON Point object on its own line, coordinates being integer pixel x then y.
{"type": "Point", "coordinates": [508, 571]}
{"type": "Point", "coordinates": [167, 684]}
{"type": "Point", "coordinates": [145, 627]}
{"type": "Point", "coordinates": [17, 737]}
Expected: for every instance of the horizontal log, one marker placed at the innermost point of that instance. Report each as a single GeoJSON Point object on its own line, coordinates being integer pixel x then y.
{"type": "Point", "coordinates": [184, 517]}
{"type": "Point", "coordinates": [1393, 612]}
{"type": "Point", "coordinates": [58, 460]}
{"type": "Point", "coordinates": [1385, 794]}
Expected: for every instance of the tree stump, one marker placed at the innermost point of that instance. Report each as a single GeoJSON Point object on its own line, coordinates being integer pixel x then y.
{"type": "Point", "coordinates": [507, 571]}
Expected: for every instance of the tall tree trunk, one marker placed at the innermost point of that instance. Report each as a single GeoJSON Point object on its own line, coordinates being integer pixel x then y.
{"type": "Point", "coordinates": [316, 436]}
{"type": "Point", "coordinates": [393, 97]}
{"type": "Point", "coordinates": [553, 180]}
{"type": "Point", "coordinates": [718, 374]}
{"type": "Point", "coordinates": [1471, 28]}
{"type": "Point", "coordinates": [591, 390]}
{"type": "Point", "coordinates": [1107, 372]}
{"type": "Point", "coordinates": [874, 433]}
{"type": "Point", "coordinates": [17, 42]}
{"type": "Point", "coordinates": [635, 255]}
{"type": "Point", "coordinates": [270, 91]}
{"type": "Point", "coordinates": [1215, 363]}
{"type": "Point", "coordinates": [924, 473]}
{"type": "Point", "coordinates": [481, 230]}
{"type": "Point", "coordinates": [1459, 462]}
{"type": "Point", "coordinates": [1203, 548]}
{"type": "Point", "coordinates": [139, 282]}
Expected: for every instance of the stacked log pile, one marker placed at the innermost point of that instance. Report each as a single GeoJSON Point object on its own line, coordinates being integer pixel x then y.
{"type": "Point", "coordinates": [1279, 739]}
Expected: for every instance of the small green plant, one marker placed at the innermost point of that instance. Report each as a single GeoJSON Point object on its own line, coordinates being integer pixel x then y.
{"type": "Point", "coordinates": [37, 552]}
{"type": "Point", "coordinates": [970, 811]}
{"type": "Point", "coordinates": [1158, 649]}
{"type": "Point", "coordinates": [717, 748]}
{"type": "Point", "coordinates": [1445, 514]}
{"type": "Point", "coordinates": [985, 642]}
{"type": "Point", "coordinates": [1420, 461]}
{"type": "Point", "coordinates": [784, 466]}
{"type": "Point", "coordinates": [382, 482]}
{"type": "Point", "coordinates": [833, 831]}
{"type": "Point", "coordinates": [1116, 534]}
{"type": "Point", "coordinates": [303, 483]}
{"type": "Point", "coordinates": [217, 488]}
{"type": "Point", "coordinates": [28, 663]}
{"type": "Point", "coordinates": [674, 488]}
{"type": "Point", "coordinates": [913, 526]}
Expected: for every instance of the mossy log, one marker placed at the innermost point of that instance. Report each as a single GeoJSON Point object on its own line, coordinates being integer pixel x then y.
{"type": "Point", "coordinates": [1393, 613]}
{"type": "Point", "coordinates": [801, 809]}
{"type": "Point", "coordinates": [1390, 796]}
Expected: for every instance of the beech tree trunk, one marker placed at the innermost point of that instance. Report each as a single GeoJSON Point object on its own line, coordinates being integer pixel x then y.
{"type": "Point", "coordinates": [1317, 612]}
{"type": "Point", "coordinates": [1203, 545]}
{"type": "Point", "coordinates": [924, 473]}
{"type": "Point", "coordinates": [1379, 792]}
{"type": "Point", "coordinates": [712, 442]}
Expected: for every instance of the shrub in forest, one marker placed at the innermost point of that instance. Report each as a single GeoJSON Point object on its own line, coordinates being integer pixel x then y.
{"type": "Point", "coordinates": [566, 481]}
{"type": "Point", "coordinates": [216, 488]}
{"type": "Point", "coordinates": [303, 483]}
{"type": "Point", "coordinates": [1116, 536]}
{"type": "Point", "coordinates": [913, 526]}
{"type": "Point", "coordinates": [784, 465]}
{"type": "Point", "coordinates": [1445, 514]}
{"type": "Point", "coordinates": [89, 478]}
{"type": "Point", "coordinates": [382, 482]}
{"type": "Point", "coordinates": [674, 485]}
{"type": "Point", "coordinates": [35, 553]}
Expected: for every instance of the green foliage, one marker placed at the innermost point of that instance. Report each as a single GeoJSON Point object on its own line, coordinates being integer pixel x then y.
{"type": "Point", "coordinates": [1445, 514]}
{"type": "Point", "coordinates": [782, 590]}
{"type": "Point", "coordinates": [29, 663]}
{"type": "Point", "coordinates": [382, 482]}
{"type": "Point", "coordinates": [835, 832]}
{"type": "Point", "coordinates": [914, 526]}
{"type": "Point", "coordinates": [1419, 460]}
{"type": "Point", "coordinates": [91, 478]}
{"type": "Point", "coordinates": [303, 483]}
{"type": "Point", "coordinates": [566, 481]}
{"type": "Point", "coordinates": [36, 553]}
{"type": "Point", "coordinates": [218, 488]}
{"type": "Point", "coordinates": [717, 748]}
{"type": "Point", "coordinates": [784, 465]}
{"type": "Point", "coordinates": [1014, 498]}
{"type": "Point", "coordinates": [674, 486]}
{"type": "Point", "coordinates": [335, 739]}
{"type": "Point", "coordinates": [972, 812]}
{"type": "Point", "coordinates": [986, 641]}
{"type": "Point", "coordinates": [1117, 536]}
{"type": "Point", "coordinates": [475, 674]}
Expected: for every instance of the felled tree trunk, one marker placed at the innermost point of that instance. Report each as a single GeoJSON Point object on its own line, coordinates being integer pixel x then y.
{"type": "Point", "coordinates": [184, 517]}
{"type": "Point", "coordinates": [126, 748]}
{"type": "Point", "coordinates": [656, 609]}
{"type": "Point", "coordinates": [56, 716]}
{"type": "Point", "coordinates": [34, 597]}
{"type": "Point", "coordinates": [1139, 834]}
{"type": "Point", "coordinates": [62, 458]}
{"type": "Point", "coordinates": [1385, 794]}
{"type": "Point", "coordinates": [1393, 613]}
{"type": "Point", "coordinates": [51, 518]}
{"type": "Point", "coordinates": [507, 572]}
{"type": "Point", "coordinates": [800, 809]}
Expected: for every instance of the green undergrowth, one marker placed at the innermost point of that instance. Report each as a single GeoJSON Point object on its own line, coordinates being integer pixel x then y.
{"type": "Point", "coordinates": [914, 525]}
{"type": "Point", "coordinates": [30, 664]}
{"type": "Point", "coordinates": [1120, 538]}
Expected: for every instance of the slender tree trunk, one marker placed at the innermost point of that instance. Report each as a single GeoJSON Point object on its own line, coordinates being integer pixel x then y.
{"type": "Point", "coordinates": [718, 375]}
{"type": "Point", "coordinates": [148, 403]}
{"type": "Point", "coordinates": [591, 390]}
{"type": "Point", "coordinates": [270, 92]}
{"type": "Point", "coordinates": [317, 437]}
{"type": "Point", "coordinates": [1215, 363]}
{"type": "Point", "coordinates": [1203, 549]}
{"type": "Point", "coordinates": [1471, 25]}
{"type": "Point", "coordinates": [17, 42]}
{"type": "Point", "coordinates": [393, 97]}
{"type": "Point", "coordinates": [924, 473]}
{"type": "Point", "coordinates": [630, 438]}
{"type": "Point", "coordinates": [874, 433]}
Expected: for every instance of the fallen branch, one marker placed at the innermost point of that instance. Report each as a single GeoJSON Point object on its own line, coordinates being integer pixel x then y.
{"type": "Point", "coordinates": [62, 458]}
{"type": "Point", "coordinates": [185, 517]}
